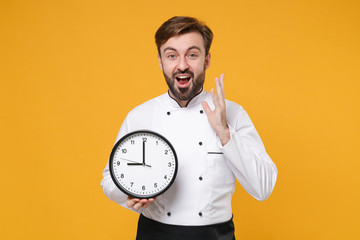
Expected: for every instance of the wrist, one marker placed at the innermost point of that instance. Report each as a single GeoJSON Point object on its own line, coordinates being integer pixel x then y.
{"type": "Point", "coordinates": [224, 135]}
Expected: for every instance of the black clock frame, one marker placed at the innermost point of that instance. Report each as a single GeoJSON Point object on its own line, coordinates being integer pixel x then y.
{"type": "Point", "coordinates": [112, 174]}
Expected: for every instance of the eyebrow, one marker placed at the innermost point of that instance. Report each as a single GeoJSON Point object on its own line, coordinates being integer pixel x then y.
{"type": "Point", "coordinates": [173, 49]}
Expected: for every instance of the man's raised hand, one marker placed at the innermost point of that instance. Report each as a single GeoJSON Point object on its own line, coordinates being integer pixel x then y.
{"type": "Point", "coordinates": [217, 117]}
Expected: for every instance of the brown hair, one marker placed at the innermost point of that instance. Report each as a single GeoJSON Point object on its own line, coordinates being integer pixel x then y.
{"type": "Point", "coordinates": [181, 25]}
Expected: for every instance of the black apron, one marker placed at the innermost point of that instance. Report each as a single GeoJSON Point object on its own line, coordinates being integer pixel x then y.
{"type": "Point", "coordinates": [152, 230]}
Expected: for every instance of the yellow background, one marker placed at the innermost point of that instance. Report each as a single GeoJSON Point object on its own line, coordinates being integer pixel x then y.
{"type": "Point", "coordinates": [71, 70]}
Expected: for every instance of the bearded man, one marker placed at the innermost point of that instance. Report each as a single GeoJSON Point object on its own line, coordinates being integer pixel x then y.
{"type": "Point", "coordinates": [214, 138]}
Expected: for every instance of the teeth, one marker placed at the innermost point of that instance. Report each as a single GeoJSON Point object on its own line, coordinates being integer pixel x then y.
{"type": "Point", "coordinates": [183, 77]}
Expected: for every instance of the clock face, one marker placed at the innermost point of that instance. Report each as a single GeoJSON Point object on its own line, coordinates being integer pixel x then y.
{"type": "Point", "coordinates": [143, 164]}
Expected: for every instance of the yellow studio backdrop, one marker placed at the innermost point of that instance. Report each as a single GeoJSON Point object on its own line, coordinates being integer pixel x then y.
{"type": "Point", "coordinates": [70, 71]}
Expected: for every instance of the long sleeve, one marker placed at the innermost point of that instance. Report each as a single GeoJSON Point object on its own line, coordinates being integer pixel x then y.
{"type": "Point", "coordinates": [247, 158]}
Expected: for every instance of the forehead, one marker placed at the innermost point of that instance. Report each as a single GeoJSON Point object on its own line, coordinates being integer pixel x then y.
{"type": "Point", "coordinates": [184, 41]}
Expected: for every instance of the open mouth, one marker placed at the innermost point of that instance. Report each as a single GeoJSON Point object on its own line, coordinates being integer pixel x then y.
{"type": "Point", "coordinates": [183, 80]}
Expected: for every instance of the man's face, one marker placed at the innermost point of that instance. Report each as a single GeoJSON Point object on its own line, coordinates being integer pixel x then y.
{"type": "Point", "coordinates": [183, 63]}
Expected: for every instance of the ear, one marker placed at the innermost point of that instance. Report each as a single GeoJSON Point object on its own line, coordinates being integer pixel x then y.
{"type": "Point", "coordinates": [207, 61]}
{"type": "Point", "coordinates": [160, 62]}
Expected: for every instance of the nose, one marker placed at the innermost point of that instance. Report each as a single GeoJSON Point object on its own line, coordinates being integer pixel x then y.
{"type": "Point", "coordinates": [182, 64]}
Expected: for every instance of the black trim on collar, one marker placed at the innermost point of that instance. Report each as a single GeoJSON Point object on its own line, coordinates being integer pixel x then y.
{"type": "Point", "coordinates": [174, 98]}
{"type": "Point", "coordinates": [202, 88]}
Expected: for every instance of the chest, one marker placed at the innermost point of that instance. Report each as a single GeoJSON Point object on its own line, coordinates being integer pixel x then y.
{"type": "Point", "coordinates": [187, 129]}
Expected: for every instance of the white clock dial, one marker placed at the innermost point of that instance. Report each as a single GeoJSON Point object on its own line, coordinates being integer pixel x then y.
{"type": "Point", "coordinates": [143, 164]}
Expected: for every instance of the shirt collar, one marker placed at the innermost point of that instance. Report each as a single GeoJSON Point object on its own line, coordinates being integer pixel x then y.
{"type": "Point", "coordinates": [195, 100]}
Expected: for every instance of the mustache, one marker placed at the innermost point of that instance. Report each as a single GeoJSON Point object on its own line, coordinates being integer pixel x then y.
{"type": "Point", "coordinates": [183, 72]}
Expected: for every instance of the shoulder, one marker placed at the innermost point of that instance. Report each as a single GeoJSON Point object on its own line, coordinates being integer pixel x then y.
{"type": "Point", "coordinates": [233, 105]}
{"type": "Point", "coordinates": [146, 107]}
{"type": "Point", "coordinates": [229, 104]}
{"type": "Point", "coordinates": [234, 111]}
{"type": "Point", "coordinates": [140, 117]}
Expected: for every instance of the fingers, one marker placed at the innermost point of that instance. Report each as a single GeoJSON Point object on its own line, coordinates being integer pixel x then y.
{"type": "Point", "coordinates": [151, 200]}
{"type": "Point", "coordinates": [136, 204]}
{"type": "Point", "coordinates": [132, 201]}
{"type": "Point", "coordinates": [213, 95]}
{"type": "Point", "coordinates": [206, 107]}
{"type": "Point", "coordinates": [220, 87]}
{"type": "Point", "coordinates": [219, 97]}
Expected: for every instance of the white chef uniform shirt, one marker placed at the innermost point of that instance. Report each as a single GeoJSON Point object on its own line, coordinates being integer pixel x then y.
{"type": "Point", "coordinates": [201, 193]}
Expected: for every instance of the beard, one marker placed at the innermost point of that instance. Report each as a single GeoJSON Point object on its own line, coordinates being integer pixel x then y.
{"type": "Point", "coordinates": [185, 94]}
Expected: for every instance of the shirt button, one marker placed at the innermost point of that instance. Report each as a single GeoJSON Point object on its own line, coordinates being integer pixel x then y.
{"type": "Point", "coordinates": [169, 214]}
{"type": "Point", "coordinates": [200, 214]}
{"type": "Point", "coordinates": [200, 178]}
{"type": "Point", "coordinates": [200, 143]}
{"type": "Point", "coordinates": [201, 111]}
{"type": "Point", "coordinates": [168, 113]}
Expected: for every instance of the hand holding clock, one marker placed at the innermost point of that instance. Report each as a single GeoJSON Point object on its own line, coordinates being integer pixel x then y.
{"type": "Point", "coordinates": [136, 203]}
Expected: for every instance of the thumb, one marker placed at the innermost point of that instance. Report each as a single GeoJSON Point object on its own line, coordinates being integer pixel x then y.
{"type": "Point", "coordinates": [206, 107]}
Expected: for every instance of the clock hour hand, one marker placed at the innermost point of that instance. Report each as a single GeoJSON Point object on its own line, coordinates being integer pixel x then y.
{"type": "Point", "coordinates": [133, 163]}
{"type": "Point", "coordinates": [138, 164]}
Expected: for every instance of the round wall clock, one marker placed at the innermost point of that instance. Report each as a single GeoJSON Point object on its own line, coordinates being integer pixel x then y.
{"type": "Point", "coordinates": [143, 164]}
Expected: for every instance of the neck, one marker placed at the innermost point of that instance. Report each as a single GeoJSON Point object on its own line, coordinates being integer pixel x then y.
{"type": "Point", "coordinates": [183, 103]}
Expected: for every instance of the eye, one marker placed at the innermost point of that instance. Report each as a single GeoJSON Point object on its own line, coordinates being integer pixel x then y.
{"type": "Point", "coordinates": [193, 55]}
{"type": "Point", "coordinates": [171, 56]}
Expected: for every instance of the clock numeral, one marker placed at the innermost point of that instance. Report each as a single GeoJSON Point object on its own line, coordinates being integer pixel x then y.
{"type": "Point", "coordinates": [143, 187]}
{"type": "Point", "coordinates": [165, 177]}
{"type": "Point", "coordinates": [131, 183]}
{"type": "Point", "coordinates": [122, 175]}
{"type": "Point", "coordinates": [132, 142]}
{"type": "Point", "coordinates": [118, 163]}
{"type": "Point", "coordinates": [155, 185]}
{"type": "Point", "coordinates": [169, 164]}
{"type": "Point", "coordinates": [166, 152]}
{"type": "Point", "coordinates": [124, 150]}
{"type": "Point", "coordinates": [157, 142]}
{"type": "Point", "coordinates": [144, 139]}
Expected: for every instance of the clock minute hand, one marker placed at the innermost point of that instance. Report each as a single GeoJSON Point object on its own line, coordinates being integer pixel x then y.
{"type": "Point", "coordinates": [144, 153]}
